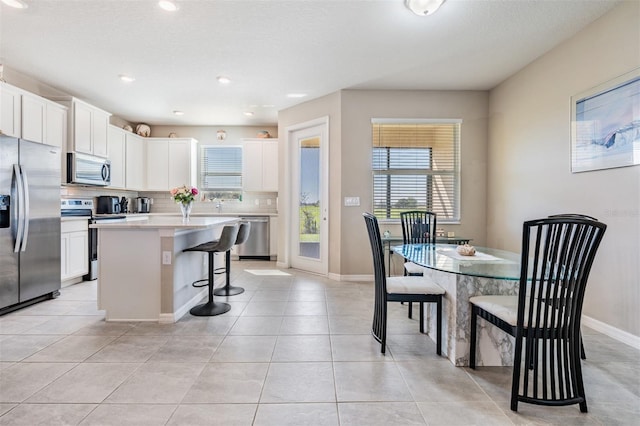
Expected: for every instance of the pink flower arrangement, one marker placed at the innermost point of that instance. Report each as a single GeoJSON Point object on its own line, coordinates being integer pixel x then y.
{"type": "Point", "coordinates": [184, 194]}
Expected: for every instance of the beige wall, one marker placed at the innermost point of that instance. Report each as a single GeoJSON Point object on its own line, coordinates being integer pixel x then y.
{"type": "Point", "coordinates": [358, 108]}
{"type": "Point", "coordinates": [529, 173]}
{"type": "Point", "coordinates": [350, 113]}
{"type": "Point", "coordinates": [206, 135]}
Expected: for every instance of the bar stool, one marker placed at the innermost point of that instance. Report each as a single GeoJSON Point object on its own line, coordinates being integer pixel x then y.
{"type": "Point", "coordinates": [228, 289]}
{"type": "Point", "coordinates": [226, 241]}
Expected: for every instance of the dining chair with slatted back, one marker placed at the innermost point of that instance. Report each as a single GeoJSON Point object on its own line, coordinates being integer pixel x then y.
{"type": "Point", "coordinates": [556, 258]}
{"type": "Point", "coordinates": [418, 227]}
{"type": "Point", "coordinates": [399, 289]}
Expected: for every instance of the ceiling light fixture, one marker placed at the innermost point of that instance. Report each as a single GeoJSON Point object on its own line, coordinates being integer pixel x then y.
{"type": "Point", "coordinates": [248, 113]}
{"type": "Point", "coordinates": [126, 78]}
{"type": "Point", "coordinates": [223, 80]}
{"type": "Point", "coordinates": [168, 5]}
{"type": "Point", "coordinates": [176, 112]}
{"type": "Point", "coordinates": [17, 4]}
{"type": "Point", "coordinates": [423, 7]}
{"type": "Point", "coordinates": [296, 95]}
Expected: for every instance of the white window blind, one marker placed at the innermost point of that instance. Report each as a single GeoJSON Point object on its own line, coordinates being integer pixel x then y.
{"type": "Point", "coordinates": [221, 168]}
{"type": "Point", "coordinates": [416, 166]}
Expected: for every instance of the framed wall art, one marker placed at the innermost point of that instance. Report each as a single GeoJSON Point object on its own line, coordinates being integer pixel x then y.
{"type": "Point", "coordinates": [605, 125]}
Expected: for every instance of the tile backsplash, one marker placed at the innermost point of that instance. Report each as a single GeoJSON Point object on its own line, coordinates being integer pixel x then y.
{"type": "Point", "coordinates": [252, 202]}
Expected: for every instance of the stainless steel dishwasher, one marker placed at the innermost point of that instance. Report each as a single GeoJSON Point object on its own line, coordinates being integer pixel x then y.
{"type": "Point", "coordinates": [257, 246]}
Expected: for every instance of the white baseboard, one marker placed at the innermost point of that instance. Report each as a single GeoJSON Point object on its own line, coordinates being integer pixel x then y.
{"type": "Point", "coordinates": [182, 310]}
{"type": "Point", "coordinates": [282, 265]}
{"type": "Point", "coordinates": [614, 333]}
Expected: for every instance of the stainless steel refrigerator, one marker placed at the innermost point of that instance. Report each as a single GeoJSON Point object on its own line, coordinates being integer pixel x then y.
{"type": "Point", "coordinates": [29, 222]}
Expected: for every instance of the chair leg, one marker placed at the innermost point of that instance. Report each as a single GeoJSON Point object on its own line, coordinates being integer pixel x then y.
{"type": "Point", "coordinates": [439, 326]}
{"type": "Point", "coordinates": [583, 354]}
{"type": "Point", "coordinates": [410, 311]}
{"type": "Point", "coordinates": [421, 317]}
{"type": "Point", "coordinates": [211, 308]}
{"type": "Point", "coordinates": [228, 289]}
{"type": "Point", "coordinates": [472, 338]}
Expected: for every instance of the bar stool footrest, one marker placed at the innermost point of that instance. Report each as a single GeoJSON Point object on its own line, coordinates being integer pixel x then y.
{"type": "Point", "coordinates": [205, 281]}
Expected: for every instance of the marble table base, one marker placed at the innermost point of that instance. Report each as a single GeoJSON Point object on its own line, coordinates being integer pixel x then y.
{"type": "Point", "coordinates": [494, 347]}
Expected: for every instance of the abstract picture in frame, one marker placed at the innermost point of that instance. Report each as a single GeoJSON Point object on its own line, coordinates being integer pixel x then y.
{"type": "Point", "coordinates": [605, 125]}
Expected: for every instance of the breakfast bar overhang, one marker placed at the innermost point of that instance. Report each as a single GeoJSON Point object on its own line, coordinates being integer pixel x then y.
{"type": "Point", "coordinates": [144, 274]}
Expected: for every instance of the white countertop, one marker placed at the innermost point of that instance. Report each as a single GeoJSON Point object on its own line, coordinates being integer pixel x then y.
{"type": "Point", "coordinates": [167, 222]}
{"type": "Point", "coordinates": [216, 214]}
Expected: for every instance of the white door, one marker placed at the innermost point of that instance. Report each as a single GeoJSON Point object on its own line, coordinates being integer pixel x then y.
{"type": "Point", "coordinates": [309, 231]}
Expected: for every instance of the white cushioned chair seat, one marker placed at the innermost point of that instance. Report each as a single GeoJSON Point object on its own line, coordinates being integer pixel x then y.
{"type": "Point", "coordinates": [413, 268]}
{"type": "Point", "coordinates": [506, 308]}
{"type": "Point", "coordinates": [413, 285]}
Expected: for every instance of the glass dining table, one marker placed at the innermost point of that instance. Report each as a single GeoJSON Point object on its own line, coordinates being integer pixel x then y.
{"type": "Point", "coordinates": [488, 272]}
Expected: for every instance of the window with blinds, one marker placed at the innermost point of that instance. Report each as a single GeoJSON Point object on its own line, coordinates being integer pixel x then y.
{"type": "Point", "coordinates": [221, 168]}
{"type": "Point", "coordinates": [416, 166]}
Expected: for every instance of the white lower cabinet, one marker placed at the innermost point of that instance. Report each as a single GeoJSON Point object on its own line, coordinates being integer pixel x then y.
{"type": "Point", "coordinates": [74, 249]}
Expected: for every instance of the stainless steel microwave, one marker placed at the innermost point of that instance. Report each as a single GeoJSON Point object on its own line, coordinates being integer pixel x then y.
{"type": "Point", "coordinates": [88, 169]}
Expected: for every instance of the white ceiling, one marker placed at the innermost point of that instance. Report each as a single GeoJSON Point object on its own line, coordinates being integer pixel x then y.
{"type": "Point", "coordinates": [270, 48]}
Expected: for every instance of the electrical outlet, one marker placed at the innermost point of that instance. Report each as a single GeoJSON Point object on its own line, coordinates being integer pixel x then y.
{"type": "Point", "coordinates": [351, 201]}
{"type": "Point", "coordinates": [166, 258]}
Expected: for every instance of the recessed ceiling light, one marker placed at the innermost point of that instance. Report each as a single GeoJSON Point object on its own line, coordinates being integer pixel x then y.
{"type": "Point", "coordinates": [223, 80]}
{"type": "Point", "coordinates": [126, 78]}
{"type": "Point", "coordinates": [167, 5]}
{"type": "Point", "coordinates": [296, 95]}
{"type": "Point", "coordinates": [248, 113]}
{"type": "Point", "coordinates": [176, 112]}
{"type": "Point", "coordinates": [17, 4]}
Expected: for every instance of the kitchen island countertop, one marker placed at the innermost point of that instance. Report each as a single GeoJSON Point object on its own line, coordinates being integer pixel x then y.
{"type": "Point", "coordinates": [161, 221]}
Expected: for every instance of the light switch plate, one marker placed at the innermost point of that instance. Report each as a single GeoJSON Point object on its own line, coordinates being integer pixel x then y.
{"type": "Point", "coordinates": [166, 258]}
{"type": "Point", "coordinates": [351, 201]}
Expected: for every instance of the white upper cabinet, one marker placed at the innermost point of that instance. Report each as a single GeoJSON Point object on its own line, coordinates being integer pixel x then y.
{"type": "Point", "coordinates": [87, 127]}
{"type": "Point", "coordinates": [56, 125]}
{"type": "Point", "coordinates": [29, 116]}
{"type": "Point", "coordinates": [135, 162]}
{"type": "Point", "coordinates": [34, 118]}
{"type": "Point", "coordinates": [10, 110]}
{"type": "Point", "coordinates": [260, 165]}
{"type": "Point", "coordinates": [171, 162]}
{"type": "Point", "coordinates": [116, 151]}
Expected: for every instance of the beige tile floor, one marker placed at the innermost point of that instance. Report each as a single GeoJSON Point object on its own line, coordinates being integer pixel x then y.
{"type": "Point", "coordinates": [293, 350]}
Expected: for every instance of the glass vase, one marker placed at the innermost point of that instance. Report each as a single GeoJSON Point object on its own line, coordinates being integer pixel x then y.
{"type": "Point", "coordinates": [185, 208]}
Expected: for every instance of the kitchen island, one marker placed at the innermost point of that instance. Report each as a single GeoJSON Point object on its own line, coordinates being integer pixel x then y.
{"type": "Point", "coordinates": [143, 274]}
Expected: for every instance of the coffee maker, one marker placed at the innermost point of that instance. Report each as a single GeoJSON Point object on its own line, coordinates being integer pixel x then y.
{"type": "Point", "coordinates": [142, 204]}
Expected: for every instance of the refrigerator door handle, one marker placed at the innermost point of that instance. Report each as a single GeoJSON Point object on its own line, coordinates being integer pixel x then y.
{"type": "Point", "coordinates": [20, 210]}
{"type": "Point", "coordinates": [27, 209]}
